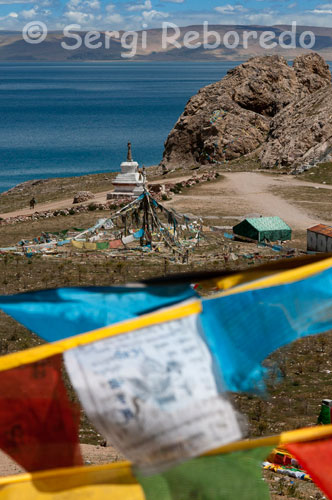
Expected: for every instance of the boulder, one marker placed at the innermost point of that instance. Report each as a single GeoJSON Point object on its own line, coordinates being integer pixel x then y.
{"type": "Point", "coordinates": [82, 196]}
{"type": "Point", "coordinates": [233, 117]}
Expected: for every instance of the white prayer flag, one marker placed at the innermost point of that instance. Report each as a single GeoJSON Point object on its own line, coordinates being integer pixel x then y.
{"type": "Point", "coordinates": [153, 394]}
{"type": "Point", "coordinates": [128, 239]}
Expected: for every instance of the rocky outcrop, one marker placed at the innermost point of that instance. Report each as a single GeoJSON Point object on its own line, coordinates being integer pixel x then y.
{"type": "Point", "coordinates": [82, 196]}
{"type": "Point", "coordinates": [242, 113]}
{"type": "Point", "coordinates": [301, 135]}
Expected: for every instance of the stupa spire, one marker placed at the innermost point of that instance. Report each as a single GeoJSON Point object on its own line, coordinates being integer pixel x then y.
{"type": "Point", "coordinates": [129, 182]}
{"type": "Point", "coordinates": [129, 155]}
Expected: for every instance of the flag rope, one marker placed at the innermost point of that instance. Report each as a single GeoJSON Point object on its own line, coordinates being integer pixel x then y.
{"type": "Point", "coordinates": [295, 436]}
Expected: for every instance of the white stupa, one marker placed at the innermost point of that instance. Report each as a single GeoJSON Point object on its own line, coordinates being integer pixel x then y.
{"type": "Point", "coordinates": [130, 182]}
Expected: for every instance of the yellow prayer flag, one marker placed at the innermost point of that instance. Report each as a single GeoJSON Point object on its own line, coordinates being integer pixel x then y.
{"type": "Point", "coordinates": [77, 244]}
{"type": "Point", "coordinates": [114, 481]}
{"type": "Point", "coordinates": [88, 245]}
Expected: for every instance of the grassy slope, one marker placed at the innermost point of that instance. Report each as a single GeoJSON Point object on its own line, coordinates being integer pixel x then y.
{"type": "Point", "coordinates": [46, 190]}
{"type": "Point", "coordinates": [322, 174]}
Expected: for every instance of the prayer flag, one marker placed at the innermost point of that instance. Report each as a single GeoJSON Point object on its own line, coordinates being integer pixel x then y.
{"type": "Point", "coordinates": [115, 244]}
{"type": "Point", "coordinates": [38, 424]}
{"type": "Point", "coordinates": [99, 482]}
{"type": "Point", "coordinates": [315, 458]}
{"type": "Point", "coordinates": [65, 312]}
{"type": "Point", "coordinates": [153, 393]}
{"type": "Point", "coordinates": [242, 328]}
{"type": "Point", "coordinates": [222, 477]}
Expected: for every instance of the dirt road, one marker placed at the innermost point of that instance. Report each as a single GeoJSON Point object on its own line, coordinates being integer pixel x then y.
{"type": "Point", "coordinates": [244, 194]}
{"type": "Point", "coordinates": [255, 189]}
{"type": "Point", "coordinates": [100, 197]}
{"type": "Point", "coordinates": [55, 205]}
{"type": "Point", "coordinates": [238, 194]}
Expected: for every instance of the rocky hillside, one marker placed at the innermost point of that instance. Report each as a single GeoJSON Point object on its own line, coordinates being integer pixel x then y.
{"type": "Point", "coordinates": [280, 113]}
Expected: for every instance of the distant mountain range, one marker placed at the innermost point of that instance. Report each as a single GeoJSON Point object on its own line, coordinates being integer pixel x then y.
{"type": "Point", "coordinates": [14, 48]}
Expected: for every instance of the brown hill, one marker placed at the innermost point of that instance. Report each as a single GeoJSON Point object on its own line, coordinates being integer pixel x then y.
{"type": "Point", "coordinates": [14, 48]}
{"type": "Point", "coordinates": [257, 108]}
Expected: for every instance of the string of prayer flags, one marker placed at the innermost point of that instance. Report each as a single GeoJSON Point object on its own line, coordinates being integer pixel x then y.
{"type": "Point", "coordinates": [153, 393]}
{"type": "Point", "coordinates": [233, 471]}
{"type": "Point", "coordinates": [38, 424]}
{"type": "Point", "coordinates": [241, 326]}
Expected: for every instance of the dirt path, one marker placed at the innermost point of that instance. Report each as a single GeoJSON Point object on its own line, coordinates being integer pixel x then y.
{"type": "Point", "coordinates": [247, 194]}
{"type": "Point", "coordinates": [240, 193]}
{"type": "Point", "coordinates": [55, 205]}
{"type": "Point", "coordinates": [68, 202]}
{"type": "Point", "coordinates": [255, 188]}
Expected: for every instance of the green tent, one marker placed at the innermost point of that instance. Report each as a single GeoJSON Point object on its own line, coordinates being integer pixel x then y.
{"type": "Point", "coordinates": [263, 228]}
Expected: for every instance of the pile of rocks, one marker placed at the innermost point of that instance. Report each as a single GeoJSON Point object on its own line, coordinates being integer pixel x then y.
{"type": "Point", "coordinates": [167, 189]}
{"type": "Point", "coordinates": [48, 214]}
{"type": "Point", "coordinates": [82, 196]}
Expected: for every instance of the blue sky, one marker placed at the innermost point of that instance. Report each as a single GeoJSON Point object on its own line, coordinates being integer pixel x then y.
{"type": "Point", "coordinates": [139, 14]}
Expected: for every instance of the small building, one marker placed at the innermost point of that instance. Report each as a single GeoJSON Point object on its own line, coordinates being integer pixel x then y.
{"type": "Point", "coordinates": [130, 181]}
{"type": "Point", "coordinates": [319, 238]}
{"type": "Point", "coordinates": [263, 228]}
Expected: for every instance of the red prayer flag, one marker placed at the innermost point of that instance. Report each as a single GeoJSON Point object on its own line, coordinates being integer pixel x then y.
{"type": "Point", "coordinates": [316, 459]}
{"type": "Point", "coordinates": [116, 244]}
{"type": "Point", "coordinates": [38, 424]}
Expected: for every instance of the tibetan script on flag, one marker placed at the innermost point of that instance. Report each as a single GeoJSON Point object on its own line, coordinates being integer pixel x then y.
{"type": "Point", "coordinates": [153, 393]}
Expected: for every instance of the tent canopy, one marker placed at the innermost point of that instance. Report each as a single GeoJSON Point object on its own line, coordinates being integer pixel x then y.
{"type": "Point", "coordinates": [263, 228]}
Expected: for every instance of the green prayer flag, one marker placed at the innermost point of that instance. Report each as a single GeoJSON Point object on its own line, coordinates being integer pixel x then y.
{"type": "Point", "coordinates": [103, 245]}
{"type": "Point", "coordinates": [235, 475]}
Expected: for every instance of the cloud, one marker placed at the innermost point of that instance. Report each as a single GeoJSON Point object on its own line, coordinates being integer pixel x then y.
{"type": "Point", "coordinates": [92, 4]}
{"type": "Point", "coordinates": [321, 11]}
{"type": "Point", "coordinates": [29, 14]}
{"type": "Point", "coordinates": [134, 14]}
{"type": "Point", "coordinates": [10, 2]}
{"type": "Point", "coordinates": [115, 18]}
{"type": "Point", "coordinates": [151, 15]}
{"type": "Point", "coordinates": [110, 7]}
{"type": "Point", "coordinates": [83, 5]}
{"type": "Point", "coordinates": [78, 17]}
{"type": "Point", "coordinates": [146, 5]}
{"type": "Point", "coordinates": [230, 9]}
{"type": "Point", "coordinates": [10, 20]}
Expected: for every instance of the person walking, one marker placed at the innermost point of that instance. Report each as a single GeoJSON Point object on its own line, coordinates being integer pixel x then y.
{"type": "Point", "coordinates": [33, 203]}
